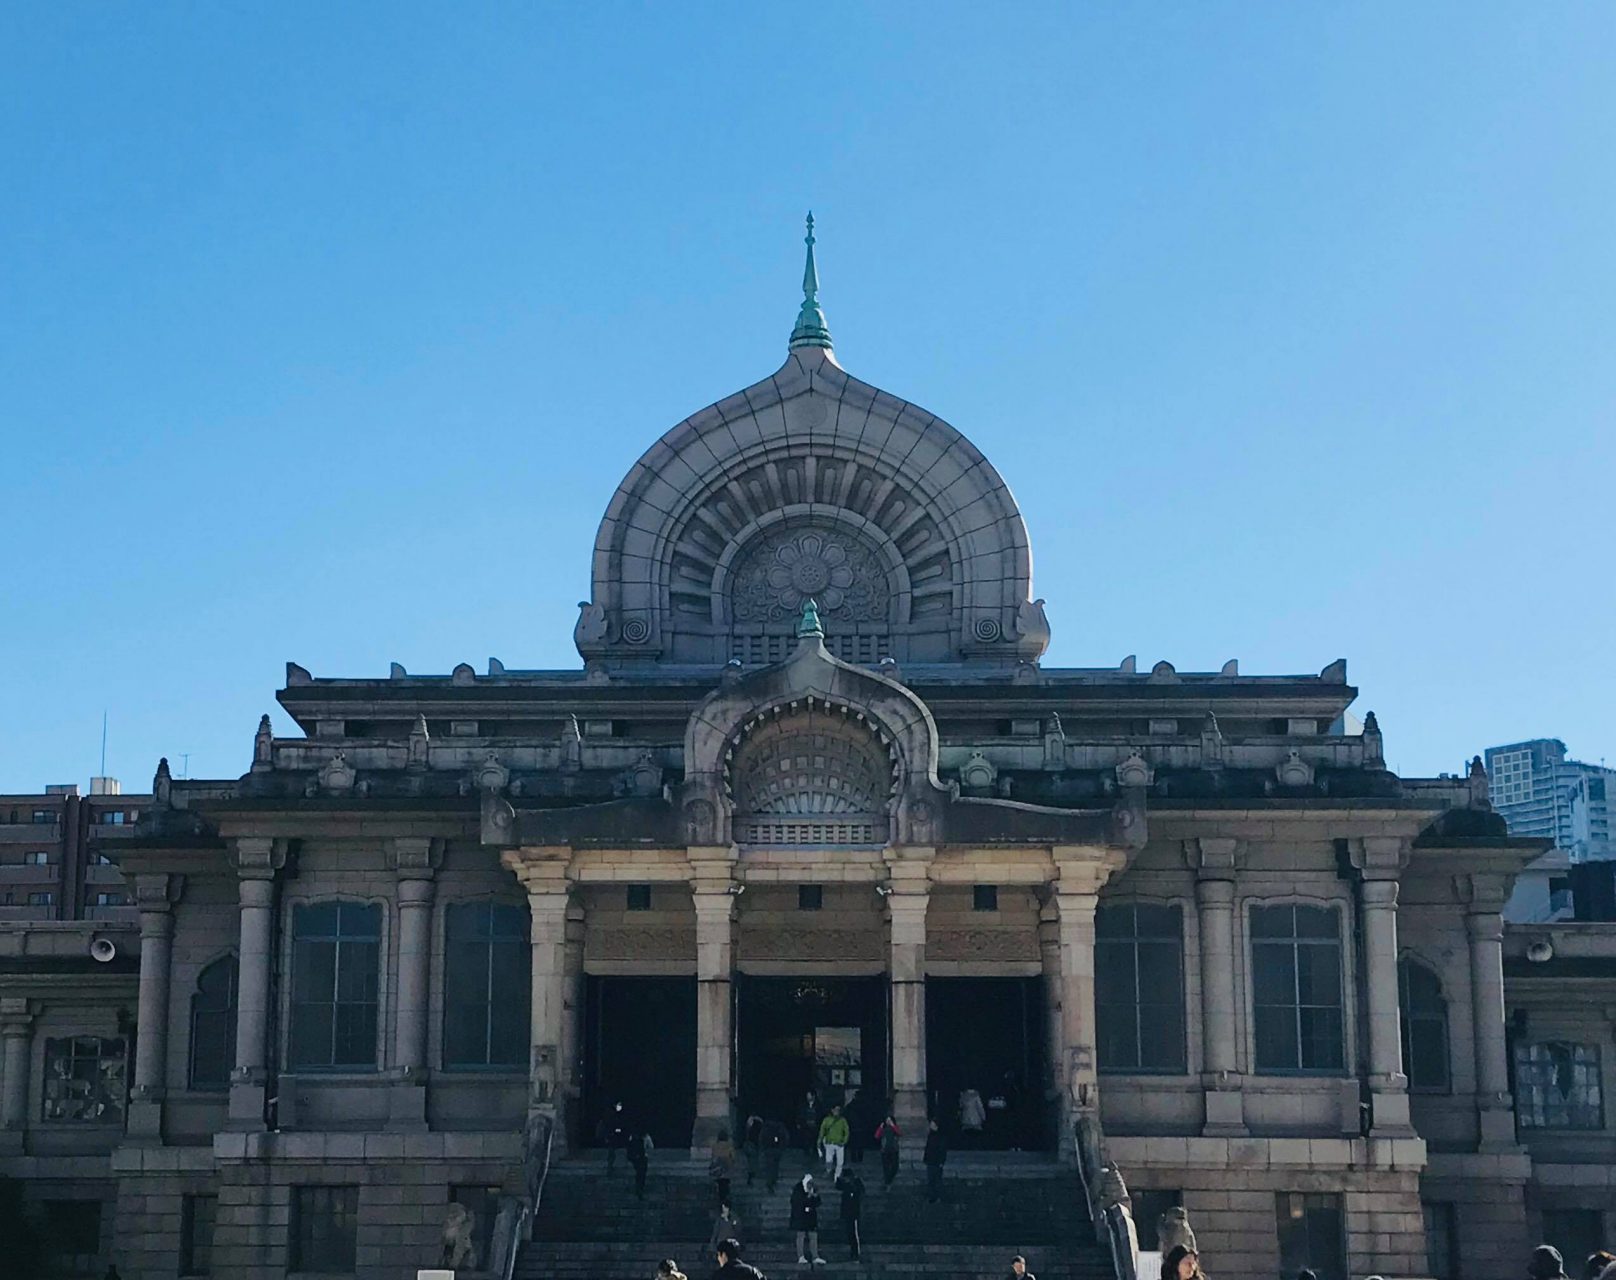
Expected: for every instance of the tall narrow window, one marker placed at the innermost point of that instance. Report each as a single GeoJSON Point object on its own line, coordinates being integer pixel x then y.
{"type": "Point", "coordinates": [1139, 987]}
{"type": "Point", "coordinates": [197, 1215]}
{"type": "Point", "coordinates": [1311, 1234]}
{"type": "Point", "coordinates": [336, 949]}
{"type": "Point", "coordinates": [1296, 989]}
{"type": "Point", "coordinates": [1425, 1027]}
{"type": "Point", "coordinates": [1441, 1239]}
{"type": "Point", "coordinates": [487, 977]}
{"type": "Point", "coordinates": [213, 1025]}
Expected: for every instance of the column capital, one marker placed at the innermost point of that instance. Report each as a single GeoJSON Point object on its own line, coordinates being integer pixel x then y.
{"type": "Point", "coordinates": [259, 857]}
{"type": "Point", "coordinates": [1214, 857]}
{"type": "Point", "coordinates": [16, 1014]}
{"type": "Point", "coordinates": [1379, 893]}
{"type": "Point", "coordinates": [541, 870]}
{"type": "Point", "coordinates": [1084, 869]}
{"type": "Point", "coordinates": [1482, 893]}
{"type": "Point", "coordinates": [415, 857]}
{"type": "Point", "coordinates": [157, 893]}
{"type": "Point", "coordinates": [1378, 857]}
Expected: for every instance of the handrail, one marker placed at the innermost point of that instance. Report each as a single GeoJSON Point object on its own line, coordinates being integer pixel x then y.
{"type": "Point", "coordinates": [538, 1142]}
{"type": "Point", "coordinates": [1113, 1222]}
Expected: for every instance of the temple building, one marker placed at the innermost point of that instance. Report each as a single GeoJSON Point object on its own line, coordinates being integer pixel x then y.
{"type": "Point", "coordinates": [812, 815]}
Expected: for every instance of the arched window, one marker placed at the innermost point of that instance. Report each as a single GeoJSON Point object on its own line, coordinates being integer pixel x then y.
{"type": "Point", "coordinates": [1424, 1018]}
{"type": "Point", "coordinates": [213, 1025]}
{"type": "Point", "coordinates": [1139, 987]}
{"type": "Point", "coordinates": [811, 778]}
{"type": "Point", "coordinates": [487, 974]}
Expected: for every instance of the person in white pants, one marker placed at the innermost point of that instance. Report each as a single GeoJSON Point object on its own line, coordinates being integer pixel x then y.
{"type": "Point", "coordinates": [833, 1134]}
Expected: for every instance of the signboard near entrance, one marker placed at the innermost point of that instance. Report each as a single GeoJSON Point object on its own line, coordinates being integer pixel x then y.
{"type": "Point", "coordinates": [838, 1061]}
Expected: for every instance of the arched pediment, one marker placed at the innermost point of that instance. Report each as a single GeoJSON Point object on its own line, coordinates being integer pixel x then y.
{"type": "Point", "coordinates": [814, 482]}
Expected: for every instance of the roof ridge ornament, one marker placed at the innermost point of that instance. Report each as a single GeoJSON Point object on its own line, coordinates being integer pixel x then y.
{"type": "Point", "coordinates": [810, 626]}
{"type": "Point", "coordinates": [811, 330]}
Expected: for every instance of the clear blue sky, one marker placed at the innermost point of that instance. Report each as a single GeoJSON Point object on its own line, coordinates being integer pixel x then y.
{"type": "Point", "coordinates": [326, 331]}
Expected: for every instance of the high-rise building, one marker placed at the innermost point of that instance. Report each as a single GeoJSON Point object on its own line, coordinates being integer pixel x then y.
{"type": "Point", "coordinates": [1541, 791]}
{"type": "Point", "coordinates": [58, 854]}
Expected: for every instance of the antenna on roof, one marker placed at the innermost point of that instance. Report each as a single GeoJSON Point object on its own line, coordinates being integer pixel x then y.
{"type": "Point", "coordinates": [103, 743]}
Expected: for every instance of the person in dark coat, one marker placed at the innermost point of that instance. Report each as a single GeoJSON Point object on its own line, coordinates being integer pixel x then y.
{"type": "Point", "coordinates": [1596, 1264]}
{"type": "Point", "coordinates": [1182, 1263]}
{"type": "Point", "coordinates": [935, 1158]}
{"type": "Point", "coordinates": [730, 1266]}
{"type": "Point", "coordinates": [776, 1138]}
{"type": "Point", "coordinates": [805, 1220]}
{"type": "Point", "coordinates": [638, 1146]}
{"type": "Point", "coordinates": [752, 1146]}
{"type": "Point", "coordinates": [613, 1135]}
{"type": "Point", "coordinates": [890, 1139]}
{"type": "Point", "coordinates": [852, 1188]}
{"type": "Point", "coordinates": [1018, 1269]}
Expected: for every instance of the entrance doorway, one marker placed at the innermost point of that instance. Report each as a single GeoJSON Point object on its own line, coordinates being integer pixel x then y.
{"type": "Point", "coordinates": [985, 1062]}
{"type": "Point", "coordinates": [640, 1050]}
{"type": "Point", "coordinates": [825, 1035]}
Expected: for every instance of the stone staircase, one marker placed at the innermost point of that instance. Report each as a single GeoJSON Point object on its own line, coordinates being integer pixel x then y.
{"type": "Point", "coordinates": [591, 1227]}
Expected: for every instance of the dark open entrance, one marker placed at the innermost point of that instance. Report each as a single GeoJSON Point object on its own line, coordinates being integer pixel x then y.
{"type": "Point", "coordinates": [640, 1050]}
{"type": "Point", "coordinates": [824, 1034]}
{"type": "Point", "coordinates": [985, 1061]}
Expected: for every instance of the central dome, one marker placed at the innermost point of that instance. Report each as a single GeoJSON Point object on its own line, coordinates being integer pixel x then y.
{"type": "Point", "coordinates": [812, 484]}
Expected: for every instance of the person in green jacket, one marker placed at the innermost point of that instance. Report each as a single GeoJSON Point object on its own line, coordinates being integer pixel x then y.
{"type": "Point", "coordinates": [833, 1142]}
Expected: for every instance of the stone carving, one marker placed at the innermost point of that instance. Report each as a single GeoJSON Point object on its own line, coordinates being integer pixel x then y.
{"type": "Point", "coordinates": [463, 674]}
{"type": "Point", "coordinates": [1480, 785]}
{"type": "Point", "coordinates": [163, 784]}
{"type": "Point", "coordinates": [264, 745]}
{"type": "Point", "coordinates": [1032, 625]}
{"type": "Point", "coordinates": [636, 630]}
{"type": "Point", "coordinates": [641, 942]}
{"type": "Point", "coordinates": [813, 944]}
{"type": "Point", "coordinates": [781, 570]}
{"type": "Point", "coordinates": [1135, 771]}
{"type": "Point", "coordinates": [1173, 1228]}
{"type": "Point", "coordinates": [572, 745]}
{"type": "Point", "coordinates": [542, 1080]}
{"type": "Point", "coordinates": [1005, 944]}
{"type": "Point", "coordinates": [338, 776]}
{"type": "Point", "coordinates": [1054, 743]}
{"type": "Point", "coordinates": [978, 773]}
{"type": "Point", "coordinates": [643, 778]}
{"type": "Point", "coordinates": [1374, 745]}
{"type": "Point", "coordinates": [986, 630]}
{"type": "Point", "coordinates": [420, 740]}
{"type": "Point", "coordinates": [492, 775]}
{"type": "Point", "coordinates": [459, 1239]}
{"type": "Point", "coordinates": [1293, 771]}
{"type": "Point", "coordinates": [701, 826]}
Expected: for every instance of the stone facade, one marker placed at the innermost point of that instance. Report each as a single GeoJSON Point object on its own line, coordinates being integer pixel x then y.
{"type": "Point", "coordinates": [811, 742]}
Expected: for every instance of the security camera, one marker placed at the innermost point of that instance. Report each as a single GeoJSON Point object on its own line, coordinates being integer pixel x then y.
{"type": "Point", "coordinates": [1541, 951]}
{"type": "Point", "coordinates": [103, 950]}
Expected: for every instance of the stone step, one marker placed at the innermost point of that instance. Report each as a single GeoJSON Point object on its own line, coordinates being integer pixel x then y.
{"type": "Point", "coordinates": [637, 1261]}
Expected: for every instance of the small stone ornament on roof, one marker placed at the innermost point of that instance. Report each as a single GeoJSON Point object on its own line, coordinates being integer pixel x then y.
{"type": "Point", "coordinates": [810, 624]}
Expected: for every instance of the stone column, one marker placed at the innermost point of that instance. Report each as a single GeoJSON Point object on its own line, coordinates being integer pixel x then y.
{"type": "Point", "coordinates": [712, 893]}
{"type": "Point", "coordinates": [544, 873]}
{"type": "Point", "coordinates": [906, 910]}
{"type": "Point", "coordinates": [1379, 861]}
{"type": "Point", "coordinates": [258, 861]}
{"type": "Point", "coordinates": [570, 1085]}
{"type": "Point", "coordinates": [17, 1034]}
{"type": "Point", "coordinates": [1050, 953]}
{"type": "Point", "coordinates": [415, 862]}
{"type": "Point", "coordinates": [1216, 863]}
{"type": "Point", "coordinates": [1484, 923]}
{"type": "Point", "coordinates": [1081, 871]}
{"type": "Point", "coordinates": [155, 896]}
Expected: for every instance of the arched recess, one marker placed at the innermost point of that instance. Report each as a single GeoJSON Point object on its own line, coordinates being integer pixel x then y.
{"type": "Point", "coordinates": [1423, 1016]}
{"type": "Point", "coordinates": [814, 775]}
{"type": "Point", "coordinates": [213, 1025]}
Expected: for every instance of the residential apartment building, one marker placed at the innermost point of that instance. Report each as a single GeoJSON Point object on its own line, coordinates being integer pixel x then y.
{"type": "Point", "coordinates": [58, 852]}
{"type": "Point", "coordinates": [1542, 792]}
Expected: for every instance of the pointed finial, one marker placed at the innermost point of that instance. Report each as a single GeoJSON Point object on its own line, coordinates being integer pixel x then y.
{"type": "Point", "coordinates": [811, 330]}
{"type": "Point", "coordinates": [810, 625]}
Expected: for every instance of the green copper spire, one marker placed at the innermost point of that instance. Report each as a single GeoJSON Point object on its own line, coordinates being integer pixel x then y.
{"type": "Point", "coordinates": [811, 330]}
{"type": "Point", "coordinates": [810, 624]}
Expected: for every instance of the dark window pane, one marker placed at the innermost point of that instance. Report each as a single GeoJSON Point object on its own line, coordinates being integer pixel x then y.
{"type": "Point", "coordinates": [314, 970]}
{"type": "Point", "coordinates": [1114, 975]}
{"type": "Point", "coordinates": [487, 976]}
{"type": "Point", "coordinates": [1321, 1039]}
{"type": "Point", "coordinates": [1318, 975]}
{"type": "Point", "coordinates": [323, 1229]}
{"type": "Point", "coordinates": [1427, 1065]}
{"type": "Point", "coordinates": [311, 1035]}
{"type": "Point", "coordinates": [1317, 922]}
{"type": "Point", "coordinates": [361, 919]}
{"type": "Point", "coordinates": [1161, 1038]}
{"type": "Point", "coordinates": [1273, 973]}
{"type": "Point", "coordinates": [1114, 921]}
{"type": "Point", "coordinates": [985, 897]}
{"type": "Point", "coordinates": [314, 919]}
{"type": "Point", "coordinates": [1117, 1039]}
{"type": "Point", "coordinates": [1272, 922]}
{"type": "Point", "coordinates": [1157, 921]}
{"type": "Point", "coordinates": [1275, 1028]}
{"type": "Point", "coordinates": [1159, 971]}
{"type": "Point", "coordinates": [197, 1214]}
